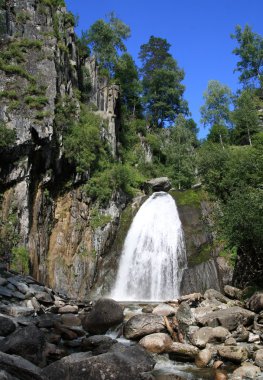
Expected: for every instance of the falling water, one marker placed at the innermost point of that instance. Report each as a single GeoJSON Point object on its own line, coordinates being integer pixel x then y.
{"type": "Point", "coordinates": [154, 256]}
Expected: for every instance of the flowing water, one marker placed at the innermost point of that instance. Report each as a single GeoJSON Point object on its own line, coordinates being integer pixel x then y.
{"type": "Point", "coordinates": [154, 256]}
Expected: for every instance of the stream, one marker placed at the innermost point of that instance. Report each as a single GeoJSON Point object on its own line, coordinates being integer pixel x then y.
{"type": "Point", "coordinates": [165, 369]}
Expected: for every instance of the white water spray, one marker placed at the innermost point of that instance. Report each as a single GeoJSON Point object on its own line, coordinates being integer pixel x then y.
{"type": "Point", "coordinates": [154, 256]}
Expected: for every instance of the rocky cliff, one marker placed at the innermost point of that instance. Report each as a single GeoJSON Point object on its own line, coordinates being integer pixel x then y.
{"type": "Point", "coordinates": [41, 71]}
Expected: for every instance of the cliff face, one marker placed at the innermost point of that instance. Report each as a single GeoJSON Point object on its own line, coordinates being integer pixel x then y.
{"type": "Point", "coordinates": [41, 196]}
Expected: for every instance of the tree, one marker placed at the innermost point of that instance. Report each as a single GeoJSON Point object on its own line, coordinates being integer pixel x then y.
{"type": "Point", "coordinates": [250, 52]}
{"type": "Point", "coordinates": [162, 87]}
{"type": "Point", "coordinates": [7, 136]}
{"type": "Point", "coordinates": [245, 117]}
{"type": "Point", "coordinates": [180, 153]}
{"type": "Point", "coordinates": [218, 134]}
{"type": "Point", "coordinates": [216, 110]}
{"type": "Point", "coordinates": [106, 41]}
{"type": "Point", "coordinates": [127, 76]}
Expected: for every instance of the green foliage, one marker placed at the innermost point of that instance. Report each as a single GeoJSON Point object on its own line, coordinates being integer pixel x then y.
{"type": "Point", "coordinates": [20, 260]}
{"type": "Point", "coordinates": [127, 76]}
{"type": "Point", "coordinates": [66, 112]}
{"type": "Point", "coordinates": [203, 255]}
{"type": "Point", "coordinates": [9, 94]}
{"type": "Point", "coordinates": [106, 41]}
{"type": "Point", "coordinates": [219, 134]}
{"type": "Point", "coordinates": [53, 3]}
{"type": "Point", "coordinates": [9, 236]}
{"type": "Point", "coordinates": [180, 154]}
{"type": "Point", "coordinates": [7, 136]}
{"type": "Point", "coordinates": [98, 220]}
{"type": "Point", "coordinates": [245, 117]}
{"type": "Point", "coordinates": [250, 53]}
{"type": "Point", "coordinates": [22, 17]}
{"type": "Point", "coordinates": [162, 87]}
{"type": "Point", "coordinates": [216, 109]}
{"type": "Point", "coordinates": [190, 197]}
{"type": "Point", "coordinates": [16, 70]}
{"type": "Point", "coordinates": [115, 177]}
{"type": "Point", "coordinates": [230, 254]}
{"type": "Point", "coordinates": [37, 102]}
{"type": "Point", "coordinates": [82, 142]}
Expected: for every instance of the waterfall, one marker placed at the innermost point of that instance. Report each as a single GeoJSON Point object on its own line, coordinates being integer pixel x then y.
{"type": "Point", "coordinates": [153, 257]}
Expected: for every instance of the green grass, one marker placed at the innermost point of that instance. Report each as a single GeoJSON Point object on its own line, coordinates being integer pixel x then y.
{"type": "Point", "coordinates": [98, 220]}
{"type": "Point", "coordinates": [8, 94]}
{"type": "Point", "coordinates": [16, 70]}
{"type": "Point", "coordinates": [188, 197]}
{"type": "Point", "coordinates": [37, 102]}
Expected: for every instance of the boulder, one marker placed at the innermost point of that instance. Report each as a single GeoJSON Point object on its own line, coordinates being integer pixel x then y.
{"type": "Point", "coordinates": [203, 358]}
{"type": "Point", "coordinates": [229, 318]}
{"type": "Point", "coordinates": [246, 371]}
{"type": "Point", "coordinates": [233, 292]}
{"type": "Point", "coordinates": [241, 334]}
{"type": "Point", "coordinates": [259, 358]}
{"type": "Point", "coordinates": [164, 310]}
{"type": "Point", "coordinates": [183, 352]}
{"type": "Point", "coordinates": [98, 344]}
{"type": "Point", "coordinates": [235, 354]}
{"type": "Point", "coordinates": [208, 334]}
{"type": "Point", "coordinates": [105, 314]}
{"type": "Point", "coordinates": [7, 326]}
{"type": "Point", "coordinates": [143, 324]}
{"type": "Point", "coordinates": [157, 343]}
{"type": "Point", "coordinates": [28, 342]}
{"type": "Point", "coordinates": [230, 341]}
{"type": "Point", "coordinates": [120, 363]}
{"type": "Point", "coordinates": [68, 309]}
{"type": "Point", "coordinates": [6, 376]}
{"type": "Point", "coordinates": [255, 303]}
{"type": "Point", "coordinates": [214, 294]}
{"type": "Point", "coordinates": [17, 366]}
{"type": "Point", "coordinates": [157, 184]}
{"type": "Point", "coordinates": [185, 318]}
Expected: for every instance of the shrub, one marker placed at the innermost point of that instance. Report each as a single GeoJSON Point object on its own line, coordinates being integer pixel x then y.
{"type": "Point", "coordinates": [20, 260]}
{"type": "Point", "coordinates": [7, 136]}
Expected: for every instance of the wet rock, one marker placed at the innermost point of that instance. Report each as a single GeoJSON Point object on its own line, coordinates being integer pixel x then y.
{"type": "Point", "coordinates": [70, 320]}
{"type": "Point", "coordinates": [233, 292]}
{"type": "Point", "coordinates": [120, 363]}
{"type": "Point", "coordinates": [3, 281]}
{"type": "Point", "coordinates": [192, 299]}
{"type": "Point", "coordinates": [229, 318]}
{"type": "Point", "coordinates": [230, 341]}
{"type": "Point", "coordinates": [255, 303]}
{"type": "Point", "coordinates": [15, 365]}
{"type": "Point", "coordinates": [214, 294]}
{"type": "Point", "coordinates": [157, 343]}
{"type": "Point", "coordinates": [6, 376]}
{"type": "Point", "coordinates": [241, 334]}
{"type": "Point", "coordinates": [98, 344]}
{"type": "Point", "coordinates": [220, 375]}
{"type": "Point", "coordinates": [157, 184]}
{"type": "Point", "coordinates": [16, 311]}
{"type": "Point", "coordinates": [203, 358]}
{"type": "Point", "coordinates": [208, 334]}
{"type": "Point", "coordinates": [246, 371]}
{"type": "Point", "coordinates": [5, 292]}
{"type": "Point", "coordinates": [235, 354]}
{"type": "Point", "coordinates": [68, 309]}
{"type": "Point", "coordinates": [147, 309]}
{"type": "Point", "coordinates": [28, 342]}
{"type": "Point", "coordinates": [183, 351]}
{"type": "Point", "coordinates": [164, 310]}
{"type": "Point", "coordinates": [44, 298]}
{"type": "Point", "coordinates": [7, 326]}
{"type": "Point", "coordinates": [105, 314]}
{"type": "Point", "coordinates": [143, 324]}
{"type": "Point", "coordinates": [253, 338]}
{"type": "Point", "coordinates": [259, 358]}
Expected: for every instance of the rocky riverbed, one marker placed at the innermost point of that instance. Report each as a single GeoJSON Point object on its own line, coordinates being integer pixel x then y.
{"type": "Point", "coordinates": [44, 335]}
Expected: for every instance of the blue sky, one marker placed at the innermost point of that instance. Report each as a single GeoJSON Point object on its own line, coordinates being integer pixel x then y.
{"type": "Point", "coordinates": [198, 30]}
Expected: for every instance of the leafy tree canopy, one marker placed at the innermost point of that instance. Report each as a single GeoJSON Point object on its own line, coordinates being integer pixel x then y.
{"type": "Point", "coordinates": [250, 53]}
{"type": "Point", "coordinates": [107, 40]}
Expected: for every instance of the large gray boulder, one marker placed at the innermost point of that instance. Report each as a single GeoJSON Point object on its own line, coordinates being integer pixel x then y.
{"type": "Point", "coordinates": [157, 343]}
{"type": "Point", "coordinates": [183, 352]}
{"type": "Point", "coordinates": [235, 354]}
{"type": "Point", "coordinates": [157, 184]}
{"type": "Point", "coordinates": [28, 342]}
{"type": "Point", "coordinates": [105, 314]}
{"type": "Point", "coordinates": [229, 318]}
{"type": "Point", "coordinates": [255, 303]}
{"type": "Point", "coordinates": [205, 335]}
{"type": "Point", "coordinates": [143, 324]}
{"type": "Point", "coordinates": [19, 367]}
{"type": "Point", "coordinates": [7, 326]}
{"type": "Point", "coordinates": [120, 363]}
